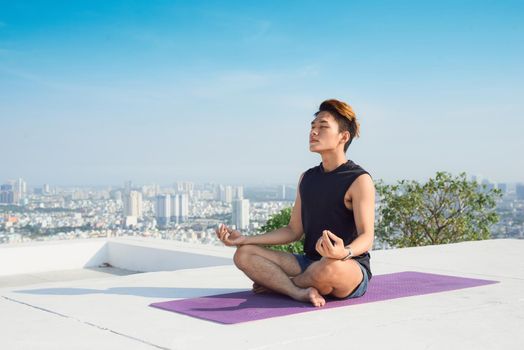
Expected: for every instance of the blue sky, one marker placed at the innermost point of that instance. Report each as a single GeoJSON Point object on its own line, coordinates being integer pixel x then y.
{"type": "Point", "coordinates": [99, 92]}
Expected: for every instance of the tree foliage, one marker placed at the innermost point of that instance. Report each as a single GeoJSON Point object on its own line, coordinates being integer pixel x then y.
{"type": "Point", "coordinates": [445, 209]}
{"type": "Point", "coordinates": [281, 219]}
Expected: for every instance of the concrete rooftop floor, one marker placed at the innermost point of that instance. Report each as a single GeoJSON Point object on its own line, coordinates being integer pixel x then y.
{"type": "Point", "coordinates": [109, 309]}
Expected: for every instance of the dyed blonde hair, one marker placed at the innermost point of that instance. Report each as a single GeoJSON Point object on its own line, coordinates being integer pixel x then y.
{"type": "Point", "coordinates": [345, 117]}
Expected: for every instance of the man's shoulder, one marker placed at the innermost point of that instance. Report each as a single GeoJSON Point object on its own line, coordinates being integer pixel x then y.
{"type": "Point", "coordinates": [312, 169]}
{"type": "Point", "coordinates": [306, 173]}
{"type": "Point", "coordinates": [358, 170]}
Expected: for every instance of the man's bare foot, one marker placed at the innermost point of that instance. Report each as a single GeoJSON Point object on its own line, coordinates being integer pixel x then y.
{"type": "Point", "coordinates": [312, 295]}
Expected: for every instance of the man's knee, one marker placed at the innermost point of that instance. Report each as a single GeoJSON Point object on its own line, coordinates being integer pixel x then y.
{"type": "Point", "coordinates": [323, 271]}
{"type": "Point", "coordinates": [242, 255]}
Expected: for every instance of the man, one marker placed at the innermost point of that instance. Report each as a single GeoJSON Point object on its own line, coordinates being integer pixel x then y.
{"type": "Point", "coordinates": [334, 208]}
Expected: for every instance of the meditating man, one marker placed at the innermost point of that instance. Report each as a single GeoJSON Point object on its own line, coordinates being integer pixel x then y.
{"type": "Point", "coordinates": [334, 208]}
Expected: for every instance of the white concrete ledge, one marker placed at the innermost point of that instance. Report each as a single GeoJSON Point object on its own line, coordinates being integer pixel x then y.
{"type": "Point", "coordinates": [135, 254]}
{"type": "Point", "coordinates": [152, 255]}
{"type": "Point", "coordinates": [35, 257]}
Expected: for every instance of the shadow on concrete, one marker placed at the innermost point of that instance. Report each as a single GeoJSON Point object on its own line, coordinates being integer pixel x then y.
{"type": "Point", "coordinates": [150, 292]}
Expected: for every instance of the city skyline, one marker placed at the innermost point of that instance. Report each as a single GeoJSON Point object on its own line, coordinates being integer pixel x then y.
{"type": "Point", "coordinates": [173, 184]}
{"type": "Point", "coordinates": [98, 93]}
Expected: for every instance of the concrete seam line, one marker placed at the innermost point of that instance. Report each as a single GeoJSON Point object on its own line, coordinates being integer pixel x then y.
{"type": "Point", "coordinates": [85, 322]}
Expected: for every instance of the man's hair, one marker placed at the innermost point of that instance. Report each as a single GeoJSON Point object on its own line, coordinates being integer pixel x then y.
{"type": "Point", "coordinates": [345, 117]}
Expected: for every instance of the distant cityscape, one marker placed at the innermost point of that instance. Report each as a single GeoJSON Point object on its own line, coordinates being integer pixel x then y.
{"type": "Point", "coordinates": [185, 211]}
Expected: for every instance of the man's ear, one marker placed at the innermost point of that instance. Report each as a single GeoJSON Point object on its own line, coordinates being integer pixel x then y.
{"type": "Point", "coordinates": [346, 137]}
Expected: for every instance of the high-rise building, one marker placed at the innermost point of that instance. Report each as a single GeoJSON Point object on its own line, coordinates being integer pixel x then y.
{"type": "Point", "coordinates": [503, 187]}
{"type": "Point", "coordinates": [184, 207]}
{"type": "Point", "coordinates": [128, 186]}
{"type": "Point", "coordinates": [133, 204]}
{"type": "Point", "coordinates": [163, 209]}
{"type": "Point", "coordinates": [21, 187]}
{"type": "Point", "coordinates": [150, 190]}
{"type": "Point", "coordinates": [239, 192]}
{"type": "Point", "coordinates": [175, 208]}
{"type": "Point", "coordinates": [519, 188]}
{"type": "Point", "coordinates": [184, 186]}
{"type": "Point", "coordinates": [226, 194]}
{"type": "Point", "coordinates": [283, 192]}
{"type": "Point", "coordinates": [240, 213]}
{"type": "Point", "coordinates": [7, 194]}
{"type": "Point", "coordinates": [179, 208]}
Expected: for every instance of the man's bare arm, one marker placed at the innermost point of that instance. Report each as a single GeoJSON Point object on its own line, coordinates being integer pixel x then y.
{"type": "Point", "coordinates": [363, 203]}
{"type": "Point", "coordinates": [284, 235]}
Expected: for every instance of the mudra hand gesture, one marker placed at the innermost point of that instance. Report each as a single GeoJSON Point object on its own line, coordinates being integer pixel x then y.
{"type": "Point", "coordinates": [327, 249]}
{"type": "Point", "coordinates": [229, 236]}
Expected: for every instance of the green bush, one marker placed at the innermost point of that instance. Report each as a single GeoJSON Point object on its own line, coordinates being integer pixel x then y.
{"type": "Point", "coordinates": [443, 210]}
{"type": "Point", "coordinates": [281, 219]}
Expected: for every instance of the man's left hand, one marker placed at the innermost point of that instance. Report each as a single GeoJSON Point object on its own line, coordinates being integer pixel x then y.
{"type": "Point", "coordinates": [327, 249]}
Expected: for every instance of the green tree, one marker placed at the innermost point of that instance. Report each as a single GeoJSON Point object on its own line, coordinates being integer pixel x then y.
{"type": "Point", "coordinates": [281, 219]}
{"type": "Point", "coordinates": [445, 209]}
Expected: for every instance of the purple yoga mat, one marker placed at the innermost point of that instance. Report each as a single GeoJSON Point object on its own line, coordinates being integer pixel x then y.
{"type": "Point", "coordinates": [247, 306]}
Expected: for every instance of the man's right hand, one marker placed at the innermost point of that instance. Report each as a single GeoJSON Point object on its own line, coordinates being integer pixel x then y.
{"type": "Point", "coordinates": [229, 236]}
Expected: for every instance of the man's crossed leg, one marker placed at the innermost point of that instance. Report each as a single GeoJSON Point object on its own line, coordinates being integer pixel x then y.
{"type": "Point", "coordinates": [281, 272]}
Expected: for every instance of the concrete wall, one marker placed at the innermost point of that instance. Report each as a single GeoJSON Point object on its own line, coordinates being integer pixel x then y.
{"type": "Point", "coordinates": [135, 255]}
{"type": "Point", "coordinates": [25, 258]}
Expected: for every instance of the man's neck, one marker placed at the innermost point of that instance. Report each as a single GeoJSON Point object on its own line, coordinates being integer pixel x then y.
{"type": "Point", "coordinates": [332, 161]}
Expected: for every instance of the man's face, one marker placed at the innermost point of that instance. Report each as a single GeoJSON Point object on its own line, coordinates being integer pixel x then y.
{"type": "Point", "coordinates": [324, 134]}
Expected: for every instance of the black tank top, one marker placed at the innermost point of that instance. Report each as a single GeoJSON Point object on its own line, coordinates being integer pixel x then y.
{"type": "Point", "coordinates": [322, 198]}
